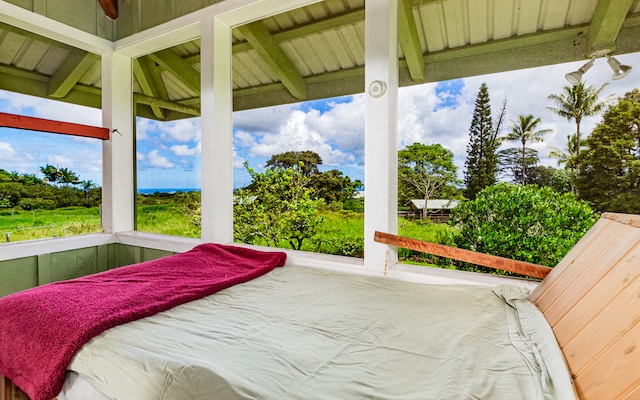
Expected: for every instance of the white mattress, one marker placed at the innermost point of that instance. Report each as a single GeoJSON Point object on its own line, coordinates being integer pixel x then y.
{"type": "Point", "coordinates": [300, 333]}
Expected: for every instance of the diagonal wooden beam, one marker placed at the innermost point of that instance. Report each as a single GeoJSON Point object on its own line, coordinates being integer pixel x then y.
{"type": "Point", "coordinates": [262, 41]}
{"type": "Point", "coordinates": [73, 68]}
{"type": "Point", "coordinates": [410, 41]}
{"type": "Point", "coordinates": [142, 73]}
{"type": "Point", "coordinates": [179, 68]}
{"type": "Point", "coordinates": [605, 26]}
{"type": "Point", "coordinates": [473, 257]}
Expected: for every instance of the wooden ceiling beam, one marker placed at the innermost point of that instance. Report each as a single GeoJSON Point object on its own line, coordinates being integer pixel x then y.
{"type": "Point", "coordinates": [269, 50]}
{"type": "Point", "coordinates": [179, 68]}
{"type": "Point", "coordinates": [142, 74]}
{"type": "Point", "coordinates": [410, 41]}
{"type": "Point", "coordinates": [335, 22]}
{"type": "Point", "coordinates": [605, 26]}
{"type": "Point", "coordinates": [73, 68]}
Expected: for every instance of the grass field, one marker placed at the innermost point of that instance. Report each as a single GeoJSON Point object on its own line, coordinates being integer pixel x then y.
{"type": "Point", "coordinates": [18, 225]}
{"type": "Point", "coordinates": [341, 233]}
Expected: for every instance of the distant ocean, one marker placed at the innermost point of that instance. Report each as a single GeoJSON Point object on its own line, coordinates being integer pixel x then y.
{"type": "Point", "coordinates": [167, 190]}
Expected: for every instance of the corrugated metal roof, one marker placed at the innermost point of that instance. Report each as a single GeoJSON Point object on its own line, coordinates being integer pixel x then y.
{"type": "Point", "coordinates": [434, 204]}
{"type": "Point", "coordinates": [320, 51]}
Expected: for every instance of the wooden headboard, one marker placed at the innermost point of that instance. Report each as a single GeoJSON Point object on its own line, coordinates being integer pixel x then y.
{"type": "Point", "coordinates": [591, 299]}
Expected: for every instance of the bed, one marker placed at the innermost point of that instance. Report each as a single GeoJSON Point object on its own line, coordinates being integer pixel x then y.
{"type": "Point", "coordinates": [304, 333]}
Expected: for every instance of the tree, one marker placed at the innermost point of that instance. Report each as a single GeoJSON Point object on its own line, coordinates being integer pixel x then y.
{"type": "Point", "coordinates": [310, 161]}
{"type": "Point", "coordinates": [511, 163]}
{"type": "Point", "coordinates": [86, 188]}
{"type": "Point", "coordinates": [568, 158]}
{"type": "Point", "coordinates": [610, 166]}
{"type": "Point", "coordinates": [51, 173]}
{"type": "Point", "coordinates": [523, 131]}
{"type": "Point", "coordinates": [525, 223]}
{"type": "Point", "coordinates": [67, 177]}
{"type": "Point", "coordinates": [333, 186]}
{"type": "Point", "coordinates": [482, 161]}
{"type": "Point", "coordinates": [577, 102]}
{"type": "Point", "coordinates": [427, 168]}
{"type": "Point", "coordinates": [277, 206]}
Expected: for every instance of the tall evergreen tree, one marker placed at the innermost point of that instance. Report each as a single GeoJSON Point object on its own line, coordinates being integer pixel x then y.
{"type": "Point", "coordinates": [481, 165]}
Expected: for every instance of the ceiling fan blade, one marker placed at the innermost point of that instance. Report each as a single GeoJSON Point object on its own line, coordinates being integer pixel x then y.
{"type": "Point", "coordinates": [110, 8]}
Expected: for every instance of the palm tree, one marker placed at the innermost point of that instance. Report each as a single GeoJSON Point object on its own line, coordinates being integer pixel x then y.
{"type": "Point", "coordinates": [523, 131]}
{"type": "Point", "coordinates": [576, 102]}
{"type": "Point", "coordinates": [51, 173]}
{"type": "Point", "coordinates": [68, 177]}
{"type": "Point", "coordinates": [86, 188]}
{"type": "Point", "coordinates": [568, 158]}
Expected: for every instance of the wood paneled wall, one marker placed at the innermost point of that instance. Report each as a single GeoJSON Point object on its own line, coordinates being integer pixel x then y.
{"type": "Point", "coordinates": [591, 299]}
{"type": "Point", "coordinates": [28, 272]}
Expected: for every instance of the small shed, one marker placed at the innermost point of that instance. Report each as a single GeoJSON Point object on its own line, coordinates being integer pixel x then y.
{"type": "Point", "coordinates": [438, 210]}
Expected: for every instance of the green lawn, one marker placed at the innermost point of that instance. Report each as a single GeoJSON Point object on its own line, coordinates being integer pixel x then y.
{"type": "Point", "coordinates": [17, 224]}
{"type": "Point", "coordinates": [342, 232]}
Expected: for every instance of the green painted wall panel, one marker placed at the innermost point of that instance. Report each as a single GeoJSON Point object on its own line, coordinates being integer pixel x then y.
{"type": "Point", "coordinates": [17, 275]}
{"type": "Point", "coordinates": [72, 264]}
{"type": "Point", "coordinates": [153, 254]}
{"type": "Point", "coordinates": [28, 272]}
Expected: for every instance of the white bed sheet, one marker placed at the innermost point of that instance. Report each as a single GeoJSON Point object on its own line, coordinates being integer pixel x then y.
{"type": "Point", "coordinates": [301, 333]}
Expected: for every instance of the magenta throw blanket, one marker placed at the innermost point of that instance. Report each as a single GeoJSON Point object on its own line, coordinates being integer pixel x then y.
{"type": "Point", "coordinates": [42, 328]}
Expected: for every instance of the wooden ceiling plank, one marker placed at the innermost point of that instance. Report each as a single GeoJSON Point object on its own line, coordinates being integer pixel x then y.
{"type": "Point", "coordinates": [605, 26]}
{"type": "Point", "coordinates": [410, 41]}
{"type": "Point", "coordinates": [73, 68]}
{"type": "Point", "coordinates": [143, 75]}
{"type": "Point", "coordinates": [178, 67]}
{"type": "Point", "coordinates": [262, 41]}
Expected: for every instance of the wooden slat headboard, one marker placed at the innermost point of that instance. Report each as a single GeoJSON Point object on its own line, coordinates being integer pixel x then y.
{"type": "Point", "coordinates": [591, 299]}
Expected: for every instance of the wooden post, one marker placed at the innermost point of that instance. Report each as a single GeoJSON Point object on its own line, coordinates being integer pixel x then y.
{"type": "Point", "coordinates": [9, 391]}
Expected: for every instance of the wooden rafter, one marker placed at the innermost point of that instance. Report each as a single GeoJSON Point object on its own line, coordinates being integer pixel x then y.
{"type": "Point", "coordinates": [605, 26]}
{"type": "Point", "coordinates": [110, 8]}
{"type": "Point", "coordinates": [486, 260]}
{"type": "Point", "coordinates": [76, 64]}
{"type": "Point", "coordinates": [262, 41]}
{"type": "Point", "coordinates": [410, 41]}
{"type": "Point", "coordinates": [47, 125]}
{"type": "Point", "coordinates": [179, 68]}
{"type": "Point", "coordinates": [142, 73]}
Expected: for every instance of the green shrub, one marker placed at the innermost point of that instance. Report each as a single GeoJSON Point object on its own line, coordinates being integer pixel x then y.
{"type": "Point", "coordinates": [37, 203]}
{"type": "Point", "coordinates": [525, 223]}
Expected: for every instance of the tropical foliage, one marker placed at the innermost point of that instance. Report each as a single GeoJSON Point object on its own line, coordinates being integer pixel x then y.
{"type": "Point", "coordinates": [610, 166]}
{"type": "Point", "coordinates": [525, 223]}
{"type": "Point", "coordinates": [524, 131]}
{"type": "Point", "coordinates": [278, 205]}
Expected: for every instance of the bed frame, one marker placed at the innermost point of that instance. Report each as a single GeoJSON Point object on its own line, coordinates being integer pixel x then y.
{"type": "Point", "coordinates": [591, 299]}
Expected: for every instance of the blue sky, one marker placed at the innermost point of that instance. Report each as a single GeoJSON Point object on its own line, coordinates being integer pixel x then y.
{"type": "Point", "coordinates": [168, 154]}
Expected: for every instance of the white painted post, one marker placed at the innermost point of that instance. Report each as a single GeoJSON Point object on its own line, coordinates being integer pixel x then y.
{"type": "Point", "coordinates": [117, 152]}
{"type": "Point", "coordinates": [216, 131]}
{"type": "Point", "coordinates": [380, 133]}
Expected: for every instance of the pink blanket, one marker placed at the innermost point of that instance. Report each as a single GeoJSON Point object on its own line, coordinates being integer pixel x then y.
{"type": "Point", "coordinates": [42, 328]}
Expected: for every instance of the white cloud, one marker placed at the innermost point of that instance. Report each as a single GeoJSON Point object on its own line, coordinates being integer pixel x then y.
{"type": "Point", "coordinates": [183, 150]}
{"type": "Point", "coordinates": [140, 156]}
{"type": "Point", "coordinates": [61, 161]}
{"type": "Point", "coordinates": [6, 151]}
{"type": "Point", "coordinates": [297, 135]}
{"type": "Point", "coordinates": [158, 161]}
{"type": "Point", "coordinates": [184, 130]}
